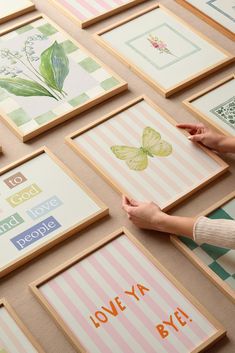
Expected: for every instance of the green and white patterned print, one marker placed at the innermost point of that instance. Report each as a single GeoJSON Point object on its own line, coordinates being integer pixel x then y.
{"type": "Point", "coordinates": [219, 260]}
{"type": "Point", "coordinates": [226, 112]}
{"type": "Point", "coordinates": [17, 108]}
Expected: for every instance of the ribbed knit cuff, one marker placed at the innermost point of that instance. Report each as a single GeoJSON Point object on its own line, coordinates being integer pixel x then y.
{"type": "Point", "coordinates": [220, 232]}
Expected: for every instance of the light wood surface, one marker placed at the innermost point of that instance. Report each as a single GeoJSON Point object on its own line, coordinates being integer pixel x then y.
{"type": "Point", "coordinates": [14, 287]}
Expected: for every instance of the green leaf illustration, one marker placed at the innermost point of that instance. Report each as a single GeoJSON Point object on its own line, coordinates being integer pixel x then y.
{"type": "Point", "coordinates": [20, 87]}
{"type": "Point", "coordinates": [54, 66]}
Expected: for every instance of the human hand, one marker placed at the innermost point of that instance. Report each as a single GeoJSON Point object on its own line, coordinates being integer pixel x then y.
{"type": "Point", "coordinates": [203, 134]}
{"type": "Point", "coordinates": [146, 215]}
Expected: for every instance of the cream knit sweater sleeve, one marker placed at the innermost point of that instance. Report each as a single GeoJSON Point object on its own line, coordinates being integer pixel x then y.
{"type": "Point", "coordinates": [220, 232]}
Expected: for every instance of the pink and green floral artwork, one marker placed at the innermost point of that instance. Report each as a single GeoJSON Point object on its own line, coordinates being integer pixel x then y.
{"type": "Point", "coordinates": [159, 45]}
{"type": "Point", "coordinates": [137, 158]}
{"type": "Point", "coordinates": [45, 76]}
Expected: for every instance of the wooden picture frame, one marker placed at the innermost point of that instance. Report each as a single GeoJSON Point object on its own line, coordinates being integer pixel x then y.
{"type": "Point", "coordinates": [36, 208]}
{"type": "Point", "coordinates": [53, 105]}
{"type": "Point", "coordinates": [124, 238]}
{"type": "Point", "coordinates": [25, 7]}
{"type": "Point", "coordinates": [218, 125]}
{"type": "Point", "coordinates": [25, 335]}
{"type": "Point", "coordinates": [166, 78]}
{"type": "Point", "coordinates": [204, 267]}
{"type": "Point", "coordinates": [94, 18]}
{"type": "Point", "coordinates": [205, 17]}
{"type": "Point", "coordinates": [140, 185]}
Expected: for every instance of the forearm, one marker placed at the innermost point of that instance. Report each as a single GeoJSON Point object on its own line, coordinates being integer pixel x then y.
{"type": "Point", "coordinates": [176, 225]}
{"type": "Point", "coordinates": [226, 144]}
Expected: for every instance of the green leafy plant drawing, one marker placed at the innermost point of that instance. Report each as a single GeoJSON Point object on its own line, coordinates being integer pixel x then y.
{"type": "Point", "coordinates": [137, 158]}
{"type": "Point", "coordinates": [47, 80]}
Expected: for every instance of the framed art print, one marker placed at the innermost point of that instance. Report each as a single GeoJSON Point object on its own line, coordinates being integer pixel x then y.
{"type": "Point", "coordinates": [40, 209]}
{"type": "Point", "coordinates": [14, 336]}
{"type": "Point", "coordinates": [215, 105]}
{"type": "Point", "coordinates": [141, 153]}
{"type": "Point", "coordinates": [217, 263]}
{"type": "Point", "coordinates": [116, 297]}
{"type": "Point", "coordinates": [12, 8]}
{"type": "Point", "coordinates": [217, 13]}
{"type": "Point", "coordinates": [88, 12]}
{"type": "Point", "coordinates": [163, 49]}
{"type": "Point", "coordinates": [46, 78]}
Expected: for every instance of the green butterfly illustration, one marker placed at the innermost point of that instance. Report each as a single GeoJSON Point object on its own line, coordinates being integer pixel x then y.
{"type": "Point", "coordinates": [137, 158]}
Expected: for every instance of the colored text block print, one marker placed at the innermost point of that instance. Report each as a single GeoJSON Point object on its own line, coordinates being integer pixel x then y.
{"type": "Point", "coordinates": [24, 195]}
{"type": "Point", "coordinates": [10, 222]}
{"type": "Point", "coordinates": [116, 300]}
{"type": "Point", "coordinates": [35, 233]}
{"type": "Point", "coordinates": [45, 207]}
{"type": "Point", "coordinates": [15, 180]}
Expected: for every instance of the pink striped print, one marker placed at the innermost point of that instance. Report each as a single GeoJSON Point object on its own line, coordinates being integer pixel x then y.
{"type": "Point", "coordinates": [11, 335]}
{"type": "Point", "coordinates": [155, 284]}
{"type": "Point", "coordinates": [90, 6]}
{"type": "Point", "coordinates": [59, 292]}
{"type": "Point", "coordinates": [74, 11]}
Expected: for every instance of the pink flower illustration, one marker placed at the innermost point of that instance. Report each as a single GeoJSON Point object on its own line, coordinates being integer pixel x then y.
{"type": "Point", "coordinates": [159, 45]}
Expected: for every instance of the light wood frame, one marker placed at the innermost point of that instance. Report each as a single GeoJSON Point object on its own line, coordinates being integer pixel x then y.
{"type": "Point", "coordinates": [218, 282]}
{"type": "Point", "coordinates": [98, 18]}
{"type": "Point", "coordinates": [34, 287]}
{"type": "Point", "coordinates": [4, 304]}
{"type": "Point", "coordinates": [21, 10]}
{"type": "Point", "coordinates": [65, 234]}
{"type": "Point", "coordinates": [207, 19]}
{"type": "Point", "coordinates": [122, 86]}
{"type": "Point", "coordinates": [198, 114]}
{"type": "Point", "coordinates": [113, 183]}
{"type": "Point", "coordinates": [175, 88]}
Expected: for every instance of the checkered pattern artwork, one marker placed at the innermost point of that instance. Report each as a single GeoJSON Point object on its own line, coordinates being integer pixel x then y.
{"type": "Point", "coordinates": [85, 81]}
{"type": "Point", "coordinates": [220, 260]}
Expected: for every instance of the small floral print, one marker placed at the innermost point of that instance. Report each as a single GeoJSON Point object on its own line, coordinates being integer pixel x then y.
{"type": "Point", "coordinates": [159, 45]}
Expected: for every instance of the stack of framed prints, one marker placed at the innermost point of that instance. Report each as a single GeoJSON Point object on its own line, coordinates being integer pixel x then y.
{"type": "Point", "coordinates": [47, 77]}
{"type": "Point", "coordinates": [162, 49]}
{"type": "Point", "coordinates": [13, 8]}
{"type": "Point", "coordinates": [14, 336]}
{"type": "Point", "coordinates": [141, 153]}
{"type": "Point", "coordinates": [116, 297]}
{"type": "Point", "coordinates": [215, 105]}
{"type": "Point", "coordinates": [217, 13]}
{"type": "Point", "coordinates": [87, 12]}
{"type": "Point", "coordinates": [217, 263]}
{"type": "Point", "coordinates": [37, 212]}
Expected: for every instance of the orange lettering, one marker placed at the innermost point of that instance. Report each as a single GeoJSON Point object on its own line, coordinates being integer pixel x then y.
{"type": "Point", "coordinates": [171, 323]}
{"type": "Point", "coordinates": [182, 323]}
{"type": "Point", "coordinates": [142, 288]}
{"type": "Point", "coordinates": [113, 310]}
{"type": "Point", "coordinates": [183, 313]}
{"type": "Point", "coordinates": [120, 304]}
{"type": "Point", "coordinates": [132, 293]}
{"type": "Point", "coordinates": [95, 323]}
{"type": "Point", "coordinates": [98, 313]}
{"type": "Point", "coordinates": [163, 333]}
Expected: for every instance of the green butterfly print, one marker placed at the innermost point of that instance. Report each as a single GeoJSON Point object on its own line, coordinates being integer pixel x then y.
{"type": "Point", "coordinates": [137, 158]}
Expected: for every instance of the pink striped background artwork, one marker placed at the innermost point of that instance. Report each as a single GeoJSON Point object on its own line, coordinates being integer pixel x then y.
{"type": "Point", "coordinates": [166, 179]}
{"type": "Point", "coordinates": [81, 293]}
{"type": "Point", "coordinates": [87, 9]}
{"type": "Point", "coordinates": [12, 339]}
